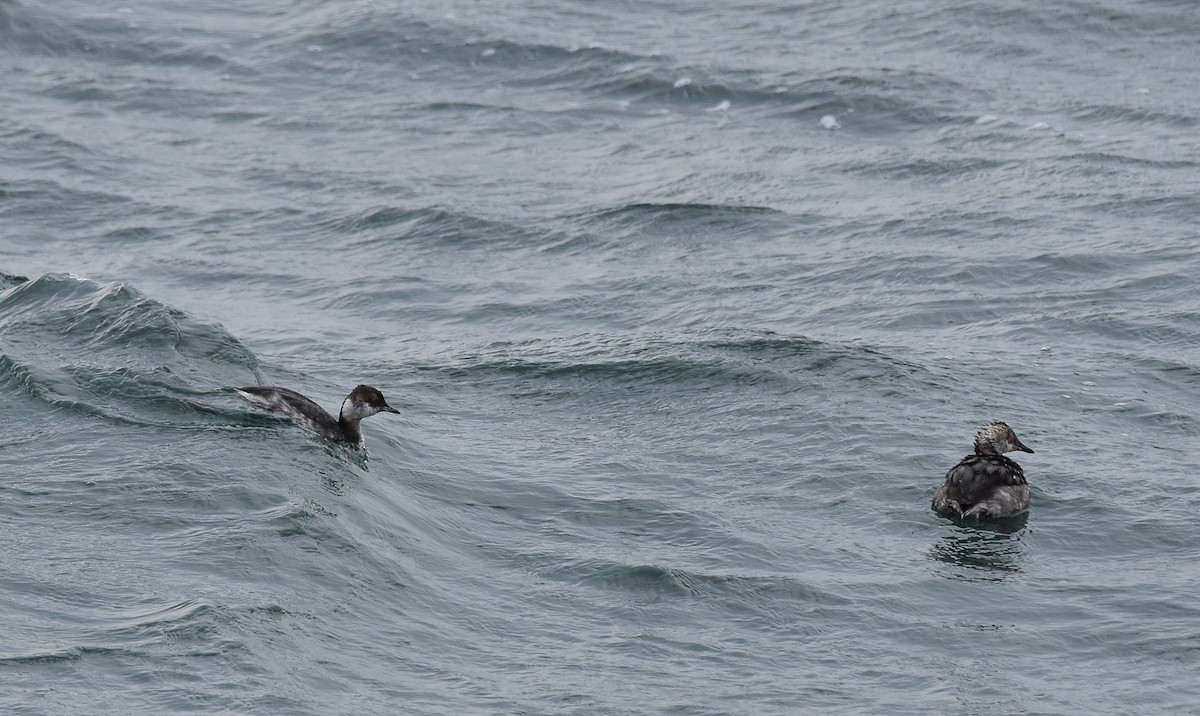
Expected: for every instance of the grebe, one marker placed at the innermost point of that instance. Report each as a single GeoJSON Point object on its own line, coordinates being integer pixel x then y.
{"type": "Point", "coordinates": [363, 402]}
{"type": "Point", "coordinates": [985, 485]}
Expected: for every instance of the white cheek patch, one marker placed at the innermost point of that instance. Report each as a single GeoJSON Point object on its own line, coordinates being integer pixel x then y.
{"type": "Point", "coordinates": [357, 411]}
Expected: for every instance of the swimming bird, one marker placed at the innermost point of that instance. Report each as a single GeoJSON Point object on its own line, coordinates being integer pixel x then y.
{"type": "Point", "coordinates": [985, 485]}
{"type": "Point", "coordinates": [363, 402]}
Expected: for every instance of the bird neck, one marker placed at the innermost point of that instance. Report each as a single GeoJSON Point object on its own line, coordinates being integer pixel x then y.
{"type": "Point", "coordinates": [351, 429]}
{"type": "Point", "coordinates": [985, 447]}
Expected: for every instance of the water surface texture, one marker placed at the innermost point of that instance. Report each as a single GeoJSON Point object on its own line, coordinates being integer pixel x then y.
{"type": "Point", "coordinates": [687, 311]}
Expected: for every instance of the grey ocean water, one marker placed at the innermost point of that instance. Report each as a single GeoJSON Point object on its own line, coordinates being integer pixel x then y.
{"type": "Point", "coordinates": [687, 310]}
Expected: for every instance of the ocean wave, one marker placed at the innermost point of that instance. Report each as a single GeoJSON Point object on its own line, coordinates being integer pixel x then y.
{"type": "Point", "coordinates": [113, 37]}
{"type": "Point", "coordinates": [721, 358]}
{"type": "Point", "coordinates": [646, 370]}
{"type": "Point", "coordinates": [438, 226]}
{"type": "Point", "coordinates": [36, 199]}
{"type": "Point", "coordinates": [599, 77]}
{"type": "Point", "coordinates": [611, 227]}
{"type": "Point", "coordinates": [666, 581]}
{"type": "Point", "coordinates": [926, 169]}
{"type": "Point", "coordinates": [1136, 116]}
{"type": "Point", "coordinates": [644, 212]}
{"type": "Point", "coordinates": [430, 47]}
{"type": "Point", "coordinates": [104, 348]}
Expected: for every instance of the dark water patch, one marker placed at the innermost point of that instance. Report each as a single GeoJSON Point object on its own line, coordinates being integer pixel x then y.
{"type": "Point", "coordinates": [717, 216]}
{"type": "Point", "coordinates": [133, 235]}
{"type": "Point", "coordinates": [773, 600]}
{"type": "Point", "coordinates": [1084, 264]}
{"type": "Point", "coordinates": [933, 170]}
{"type": "Point", "coordinates": [1136, 116]}
{"type": "Point", "coordinates": [646, 371]}
{"type": "Point", "coordinates": [650, 225]}
{"type": "Point", "coordinates": [84, 91]}
{"type": "Point", "coordinates": [469, 108]}
{"type": "Point", "coordinates": [435, 227]}
{"type": "Point", "coordinates": [723, 361]}
{"type": "Point", "coordinates": [612, 361]}
{"type": "Point", "coordinates": [523, 123]}
{"type": "Point", "coordinates": [856, 362]}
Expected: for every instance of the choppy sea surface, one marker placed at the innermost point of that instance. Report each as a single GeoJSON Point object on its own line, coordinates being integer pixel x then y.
{"type": "Point", "coordinates": [687, 310]}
